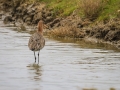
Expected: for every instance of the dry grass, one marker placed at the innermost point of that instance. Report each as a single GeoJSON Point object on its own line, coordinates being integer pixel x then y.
{"type": "Point", "coordinates": [91, 8]}
{"type": "Point", "coordinates": [67, 31]}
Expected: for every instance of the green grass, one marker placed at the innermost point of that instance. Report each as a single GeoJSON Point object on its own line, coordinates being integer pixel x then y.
{"type": "Point", "coordinates": [110, 10]}
{"type": "Point", "coordinates": [61, 7]}
{"type": "Point", "coordinates": [66, 7]}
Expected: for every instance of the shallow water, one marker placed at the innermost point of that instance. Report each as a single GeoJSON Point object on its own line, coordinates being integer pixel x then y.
{"type": "Point", "coordinates": [64, 65]}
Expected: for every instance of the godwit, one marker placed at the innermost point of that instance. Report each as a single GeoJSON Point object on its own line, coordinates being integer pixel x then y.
{"type": "Point", "coordinates": [37, 41]}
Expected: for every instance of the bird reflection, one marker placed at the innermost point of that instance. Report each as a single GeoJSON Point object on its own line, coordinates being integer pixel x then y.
{"type": "Point", "coordinates": [35, 71]}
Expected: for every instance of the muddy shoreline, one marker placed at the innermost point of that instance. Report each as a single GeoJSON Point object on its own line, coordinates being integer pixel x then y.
{"type": "Point", "coordinates": [25, 16]}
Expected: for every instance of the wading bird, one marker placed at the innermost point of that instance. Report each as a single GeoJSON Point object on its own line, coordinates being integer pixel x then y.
{"type": "Point", "coordinates": [37, 41]}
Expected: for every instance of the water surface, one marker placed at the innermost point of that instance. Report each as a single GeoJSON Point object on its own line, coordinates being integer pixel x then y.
{"type": "Point", "coordinates": [64, 65]}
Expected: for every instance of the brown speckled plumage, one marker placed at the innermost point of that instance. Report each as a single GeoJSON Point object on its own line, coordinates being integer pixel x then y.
{"type": "Point", "coordinates": [37, 41]}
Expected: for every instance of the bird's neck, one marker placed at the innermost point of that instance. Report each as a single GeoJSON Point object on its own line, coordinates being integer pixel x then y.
{"type": "Point", "coordinates": [40, 28]}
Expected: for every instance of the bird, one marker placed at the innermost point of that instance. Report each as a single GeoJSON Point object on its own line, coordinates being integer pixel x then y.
{"type": "Point", "coordinates": [37, 41]}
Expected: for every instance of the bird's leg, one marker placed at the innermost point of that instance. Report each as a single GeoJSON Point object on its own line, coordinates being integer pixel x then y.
{"type": "Point", "coordinates": [35, 56]}
{"type": "Point", "coordinates": [38, 56]}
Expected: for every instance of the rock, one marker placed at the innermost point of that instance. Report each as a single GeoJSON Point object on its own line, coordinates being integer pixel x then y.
{"type": "Point", "coordinates": [8, 19]}
{"type": "Point", "coordinates": [43, 11]}
{"type": "Point", "coordinates": [24, 17]}
{"type": "Point", "coordinates": [48, 19]}
{"type": "Point", "coordinates": [47, 13]}
{"type": "Point", "coordinates": [101, 32]}
{"type": "Point", "coordinates": [31, 10]}
{"type": "Point", "coordinates": [56, 25]}
{"type": "Point", "coordinates": [54, 22]}
{"type": "Point", "coordinates": [118, 44]}
{"type": "Point", "coordinates": [7, 4]}
{"type": "Point", "coordinates": [19, 9]}
{"type": "Point", "coordinates": [28, 19]}
{"type": "Point", "coordinates": [30, 7]}
{"type": "Point", "coordinates": [19, 20]}
{"type": "Point", "coordinates": [113, 35]}
{"type": "Point", "coordinates": [1, 15]}
{"type": "Point", "coordinates": [37, 17]}
{"type": "Point", "coordinates": [22, 27]}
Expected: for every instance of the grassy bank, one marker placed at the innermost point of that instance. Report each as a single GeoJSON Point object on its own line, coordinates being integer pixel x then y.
{"type": "Point", "coordinates": [61, 7]}
{"type": "Point", "coordinates": [111, 10]}
{"type": "Point", "coordinates": [98, 19]}
{"type": "Point", "coordinates": [95, 9]}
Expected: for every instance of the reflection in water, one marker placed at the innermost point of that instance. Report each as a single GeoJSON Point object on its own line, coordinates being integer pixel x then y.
{"type": "Point", "coordinates": [86, 44]}
{"type": "Point", "coordinates": [36, 70]}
